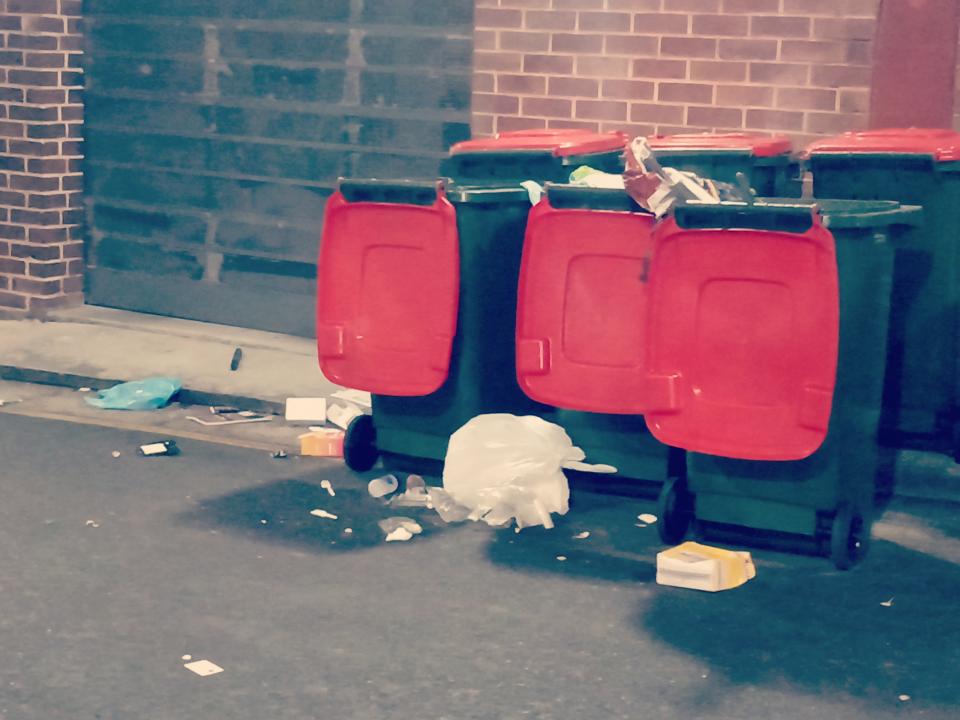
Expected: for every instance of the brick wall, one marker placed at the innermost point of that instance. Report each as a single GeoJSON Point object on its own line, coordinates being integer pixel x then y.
{"type": "Point", "coordinates": [41, 115]}
{"type": "Point", "coordinates": [801, 67]}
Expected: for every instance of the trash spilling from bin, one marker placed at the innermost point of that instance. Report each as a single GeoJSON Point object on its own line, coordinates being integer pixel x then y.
{"type": "Point", "coordinates": [149, 394]}
{"type": "Point", "coordinates": [702, 567]}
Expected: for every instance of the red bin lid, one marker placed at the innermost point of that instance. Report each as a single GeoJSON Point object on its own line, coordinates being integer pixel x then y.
{"type": "Point", "coordinates": [561, 143]}
{"type": "Point", "coordinates": [942, 145]}
{"type": "Point", "coordinates": [758, 145]}
{"type": "Point", "coordinates": [388, 284]}
{"type": "Point", "coordinates": [582, 306]}
{"type": "Point", "coordinates": [742, 337]}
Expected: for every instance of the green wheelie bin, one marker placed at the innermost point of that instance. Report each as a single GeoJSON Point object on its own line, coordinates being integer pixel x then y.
{"type": "Point", "coordinates": [765, 161]}
{"type": "Point", "coordinates": [919, 167]}
{"type": "Point", "coordinates": [767, 332]}
{"type": "Point", "coordinates": [581, 306]}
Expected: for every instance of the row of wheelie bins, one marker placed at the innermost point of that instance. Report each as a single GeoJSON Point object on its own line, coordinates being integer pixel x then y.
{"type": "Point", "coordinates": [732, 355]}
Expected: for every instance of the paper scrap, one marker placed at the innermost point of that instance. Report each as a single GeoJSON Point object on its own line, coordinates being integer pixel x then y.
{"type": "Point", "coordinates": [325, 484]}
{"type": "Point", "coordinates": [887, 603]}
{"type": "Point", "coordinates": [263, 522]}
{"type": "Point", "coordinates": [308, 410]}
{"type": "Point", "coordinates": [348, 530]}
{"type": "Point", "coordinates": [115, 453]}
{"type": "Point", "coordinates": [647, 518]}
{"type": "Point", "coordinates": [187, 657]}
{"type": "Point", "coordinates": [391, 524]}
{"type": "Point", "coordinates": [93, 523]}
{"type": "Point", "coordinates": [903, 698]}
{"type": "Point", "coordinates": [561, 558]}
{"type": "Point", "coordinates": [203, 668]}
{"type": "Point", "coordinates": [254, 418]}
{"type": "Point", "coordinates": [400, 534]}
{"type": "Point", "coordinates": [84, 389]}
{"type": "Point", "coordinates": [320, 513]}
{"type": "Point", "coordinates": [582, 536]}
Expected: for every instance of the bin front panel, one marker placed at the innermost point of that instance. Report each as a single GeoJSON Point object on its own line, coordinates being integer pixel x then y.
{"type": "Point", "coordinates": [581, 309]}
{"type": "Point", "coordinates": [388, 286]}
{"type": "Point", "coordinates": [742, 340]}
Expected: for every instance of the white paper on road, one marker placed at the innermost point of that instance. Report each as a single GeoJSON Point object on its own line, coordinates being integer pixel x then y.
{"type": "Point", "coordinates": [306, 410]}
{"type": "Point", "coordinates": [203, 668]}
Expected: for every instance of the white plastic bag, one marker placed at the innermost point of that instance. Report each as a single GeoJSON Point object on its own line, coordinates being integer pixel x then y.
{"type": "Point", "coordinates": [503, 467]}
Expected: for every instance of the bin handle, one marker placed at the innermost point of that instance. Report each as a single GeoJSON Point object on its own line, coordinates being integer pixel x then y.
{"type": "Point", "coordinates": [411, 192]}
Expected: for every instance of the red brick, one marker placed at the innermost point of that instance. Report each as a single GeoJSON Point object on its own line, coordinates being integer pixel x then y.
{"type": "Point", "coordinates": [68, 42]}
{"type": "Point", "coordinates": [12, 232]}
{"type": "Point", "coordinates": [483, 82]}
{"type": "Point", "coordinates": [71, 7]}
{"type": "Point", "coordinates": [75, 267]}
{"type": "Point", "coordinates": [549, 107]}
{"type": "Point", "coordinates": [734, 25]}
{"type": "Point", "coordinates": [37, 113]}
{"type": "Point", "coordinates": [806, 99]}
{"type": "Point", "coordinates": [32, 42]}
{"type": "Point", "coordinates": [660, 23]}
{"type": "Point", "coordinates": [833, 8]}
{"type": "Point", "coordinates": [71, 182]}
{"type": "Point", "coordinates": [70, 285]}
{"type": "Point", "coordinates": [601, 110]}
{"type": "Point", "coordinates": [773, 120]}
{"type": "Point", "coordinates": [4, 248]}
{"type": "Point", "coordinates": [832, 123]}
{"type": "Point", "coordinates": [607, 67]}
{"type": "Point", "coordinates": [741, 49]}
{"type": "Point", "coordinates": [688, 47]}
{"type": "Point", "coordinates": [633, 5]}
{"type": "Point", "coordinates": [481, 125]}
{"type": "Point", "coordinates": [575, 43]}
{"type": "Point", "coordinates": [483, 102]}
{"type": "Point", "coordinates": [11, 300]}
{"type": "Point", "coordinates": [35, 148]}
{"type": "Point", "coordinates": [745, 95]}
{"type": "Point", "coordinates": [12, 129]}
{"type": "Point", "coordinates": [525, 3]}
{"type": "Point", "coordinates": [550, 20]}
{"type": "Point", "coordinates": [71, 112]}
{"type": "Point", "coordinates": [854, 101]}
{"type": "Point", "coordinates": [72, 250]}
{"type": "Point", "coordinates": [35, 24]}
{"type": "Point", "coordinates": [34, 78]}
{"type": "Point", "coordinates": [485, 39]}
{"type": "Point", "coordinates": [522, 84]}
{"type": "Point", "coordinates": [45, 131]}
{"type": "Point", "coordinates": [548, 64]}
{"type": "Point", "coordinates": [14, 199]}
{"type": "Point", "coordinates": [604, 22]}
{"type": "Point", "coordinates": [627, 89]}
{"type": "Point", "coordinates": [631, 129]}
{"type": "Point", "coordinates": [576, 87]}
{"type": "Point", "coordinates": [49, 234]}
{"type": "Point", "coordinates": [12, 266]}
{"type": "Point", "coordinates": [4, 282]}
{"type": "Point", "coordinates": [718, 70]}
{"type": "Point", "coordinates": [498, 18]}
{"type": "Point", "coordinates": [779, 73]}
{"type": "Point", "coordinates": [820, 51]}
{"type": "Point", "coordinates": [34, 183]}
{"type": "Point", "coordinates": [36, 252]}
{"type": "Point", "coordinates": [782, 26]}
{"type": "Point", "coordinates": [685, 92]}
{"type": "Point", "coordinates": [36, 287]}
{"type": "Point", "coordinates": [524, 41]}
{"type": "Point", "coordinates": [37, 217]}
{"type": "Point", "coordinates": [47, 201]}
{"type": "Point", "coordinates": [577, 4]}
{"type": "Point", "coordinates": [44, 96]}
{"type": "Point", "coordinates": [691, 5]}
{"type": "Point", "coordinates": [633, 45]}
{"type": "Point", "coordinates": [9, 22]}
{"type": "Point", "coordinates": [573, 124]}
{"type": "Point", "coordinates": [510, 62]}
{"type": "Point", "coordinates": [714, 116]}
{"type": "Point", "coordinates": [45, 60]}
{"type": "Point", "coordinates": [660, 69]}
{"type": "Point", "coordinates": [840, 75]}
{"type": "Point", "coordinates": [47, 269]}
{"type": "Point", "coordinates": [751, 6]}
{"type": "Point", "coordinates": [656, 113]}
{"type": "Point", "coordinates": [859, 52]}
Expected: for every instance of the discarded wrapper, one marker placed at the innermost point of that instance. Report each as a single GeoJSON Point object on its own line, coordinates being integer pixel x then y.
{"type": "Point", "coordinates": [157, 449]}
{"type": "Point", "coordinates": [324, 442]}
{"type": "Point", "coordinates": [657, 188]}
{"type": "Point", "coordinates": [399, 528]}
{"type": "Point", "coordinates": [701, 567]}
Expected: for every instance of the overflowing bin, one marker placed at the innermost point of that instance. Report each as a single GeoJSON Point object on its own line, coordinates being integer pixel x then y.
{"type": "Point", "coordinates": [766, 336]}
{"type": "Point", "coordinates": [765, 161]}
{"type": "Point", "coordinates": [920, 167]}
{"type": "Point", "coordinates": [581, 309]}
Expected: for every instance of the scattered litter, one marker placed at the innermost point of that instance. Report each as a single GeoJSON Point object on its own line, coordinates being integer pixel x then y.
{"type": "Point", "coordinates": [249, 413]}
{"type": "Point", "coordinates": [378, 487]}
{"type": "Point", "coordinates": [400, 534]}
{"type": "Point", "coordinates": [640, 525]}
{"type": "Point", "coordinates": [887, 603]}
{"type": "Point", "coordinates": [342, 415]}
{"type": "Point", "coordinates": [224, 421]}
{"type": "Point", "coordinates": [348, 530]}
{"type": "Point", "coordinates": [279, 454]}
{"type": "Point", "coordinates": [399, 528]}
{"type": "Point", "coordinates": [115, 453]}
{"type": "Point", "coordinates": [235, 360]}
{"type": "Point", "coordinates": [447, 508]}
{"type": "Point", "coordinates": [561, 558]}
{"type": "Point", "coordinates": [516, 530]}
{"type": "Point", "coordinates": [320, 513]}
{"type": "Point", "coordinates": [903, 698]}
{"type": "Point", "coordinates": [647, 518]}
{"type": "Point", "coordinates": [325, 484]}
{"type": "Point", "coordinates": [223, 410]}
{"type": "Point", "coordinates": [415, 481]}
{"type": "Point", "coordinates": [93, 523]}
{"type": "Point", "coordinates": [582, 536]}
{"type": "Point", "coordinates": [357, 397]}
{"type": "Point", "coordinates": [502, 467]}
{"type": "Point", "coordinates": [203, 668]}
{"type": "Point", "coordinates": [591, 177]}
{"type": "Point", "coordinates": [325, 442]}
{"type": "Point", "coordinates": [149, 394]}
{"type": "Point", "coordinates": [10, 402]}
{"type": "Point", "coordinates": [162, 447]}
{"type": "Point", "coordinates": [701, 567]}
{"type": "Point", "coordinates": [306, 410]}
{"type": "Point", "coordinates": [84, 389]}
{"type": "Point", "coordinates": [263, 522]}
{"type": "Point", "coordinates": [187, 657]}
{"type": "Point", "coordinates": [415, 495]}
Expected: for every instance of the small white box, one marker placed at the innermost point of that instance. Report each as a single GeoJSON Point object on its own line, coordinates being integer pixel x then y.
{"type": "Point", "coordinates": [307, 410]}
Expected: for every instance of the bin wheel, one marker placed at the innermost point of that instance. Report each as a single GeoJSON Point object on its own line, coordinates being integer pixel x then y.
{"type": "Point", "coordinates": [360, 444]}
{"type": "Point", "coordinates": [675, 506]}
{"type": "Point", "coordinates": [849, 538]}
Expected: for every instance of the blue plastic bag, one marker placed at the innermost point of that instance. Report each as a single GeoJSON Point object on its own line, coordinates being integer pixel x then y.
{"type": "Point", "coordinates": [149, 394]}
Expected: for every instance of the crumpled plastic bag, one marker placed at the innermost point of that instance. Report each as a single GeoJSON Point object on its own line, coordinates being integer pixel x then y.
{"type": "Point", "coordinates": [504, 467]}
{"type": "Point", "coordinates": [148, 394]}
